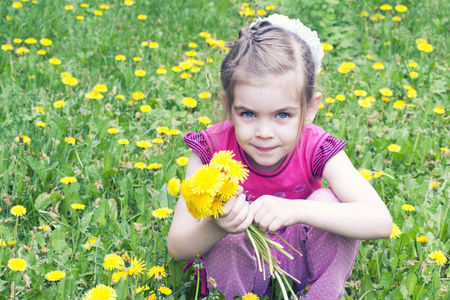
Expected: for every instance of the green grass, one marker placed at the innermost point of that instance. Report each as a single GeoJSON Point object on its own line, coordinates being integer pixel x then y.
{"type": "Point", "coordinates": [120, 198]}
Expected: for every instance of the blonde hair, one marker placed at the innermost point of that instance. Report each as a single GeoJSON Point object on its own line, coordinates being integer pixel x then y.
{"type": "Point", "coordinates": [265, 49]}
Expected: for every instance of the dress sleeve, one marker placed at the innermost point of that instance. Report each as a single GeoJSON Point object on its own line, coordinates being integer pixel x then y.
{"type": "Point", "coordinates": [324, 150]}
{"type": "Point", "coordinates": [197, 142]}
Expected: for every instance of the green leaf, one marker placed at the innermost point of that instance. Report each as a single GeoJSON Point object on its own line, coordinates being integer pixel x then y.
{"type": "Point", "coordinates": [43, 201]}
{"type": "Point", "coordinates": [58, 241]}
{"type": "Point", "coordinates": [142, 199]}
{"type": "Point", "coordinates": [410, 283]}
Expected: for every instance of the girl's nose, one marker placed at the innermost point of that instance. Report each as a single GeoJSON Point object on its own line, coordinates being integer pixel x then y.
{"type": "Point", "coordinates": [264, 130]}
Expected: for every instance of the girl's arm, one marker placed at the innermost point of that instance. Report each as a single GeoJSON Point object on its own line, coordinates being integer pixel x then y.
{"type": "Point", "coordinates": [189, 236]}
{"type": "Point", "coordinates": [361, 215]}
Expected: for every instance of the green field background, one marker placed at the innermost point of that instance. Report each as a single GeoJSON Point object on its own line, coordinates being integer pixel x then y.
{"type": "Point", "coordinates": [374, 48]}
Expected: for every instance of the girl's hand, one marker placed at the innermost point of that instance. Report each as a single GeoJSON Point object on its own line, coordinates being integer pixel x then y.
{"type": "Point", "coordinates": [272, 212]}
{"type": "Point", "coordinates": [238, 216]}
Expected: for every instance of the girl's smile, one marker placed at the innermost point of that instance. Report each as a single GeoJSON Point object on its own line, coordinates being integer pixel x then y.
{"type": "Point", "coordinates": [266, 116]}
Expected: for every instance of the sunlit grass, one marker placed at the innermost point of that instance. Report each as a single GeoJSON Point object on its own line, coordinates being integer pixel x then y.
{"type": "Point", "coordinates": [105, 105]}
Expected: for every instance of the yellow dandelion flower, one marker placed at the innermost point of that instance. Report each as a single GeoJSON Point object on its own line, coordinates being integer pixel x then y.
{"type": "Point", "coordinates": [100, 292]}
{"type": "Point", "coordinates": [143, 144]}
{"type": "Point", "coordinates": [7, 47]}
{"type": "Point", "coordinates": [158, 141]}
{"type": "Point", "coordinates": [439, 257]}
{"type": "Point", "coordinates": [59, 104]}
{"type": "Point", "coordinates": [399, 104]}
{"type": "Point", "coordinates": [142, 17]}
{"type": "Point", "coordinates": [69, 140]}
{"type": "Point", "coordinates": [120, 97]}
{"type": "Point", "coordinates": [435, 185]}
{"type": "Point", "coordinates": [17, 264]}
{"type": "Point", "coordinates": [17, 5]}
{"type": "Point", "coordinates": [386, 92]}
{"type": "Point", "coordinates": [365, 103]}
{"type": "Point", "coordinates": [185, 76]}
{"type": "Point", "coordinates": [360, 93]}
{"type": "Point", "coordinates": [182, 161]}
{"type": "Point", "coordinates": [162, 129]}
{"type": "Point", "coordinates": [72, 81]}
{"type": "Point", "coordinates": [204, 120]}
{"type": "Point", "coordinates": [250, 296]}
{"type": "Point", "coordinates": [439, 110]}
{"type": "Point", "coordinates": [140, 165]}
{"type": "Point", "coordinates": [207, 180]}
{"type": "Point", "coordinates": [176, 69]}
{"type": "Point", "coordinates": [363, 14]}
{"type": "Point", "coordinates": [18, 210]}
{"type": "Point", "coordinates": [158, 272]}
{"type": "Point", "coordinates": [100, 88]}
{"type": "Point", "coordinates": [221, 160]}
{"type": "Point", "coordinates": [173, 186]}
{"type": "Point", "coordinates": [173, 132]}
{"type": "Point", "coordinates": [78, 206]}
{"type": "Point", "coordinates": [21, 138]}
{"type": "Point", "coordinates": [140, 73]}
{"type": "Point", "coordinates": [41, 52]}
{"type": "Point", "coordinates": [112, 262]}
{"type": "Point", "coordinates": [112, 130]}
{"type": "Point", "coordinates": [93, 95]}
{"type": "Point", "coordinates": [145, 108]}
{"type": "Point", "coordinates": [120, 57]}
{"type": "Point", "coordinates": [41, 124]}
{"type": "Point", "coordinates": [22, 51]}
{"type": "Point", "coordinates": [128, 2]}
{"type": "Point", "coordinates": [153, 45]}
{"type": "Point", "coordinates": [55, 276]}
{"type": "Point", "coordinates": [270, 7]}
{"type": "Point", "coordinates": [132, 266]}
{"type": "Point", "coordinates": [46, 42]}
{"type": "Point", "coordinates": [228, 190]}
{"type": "Point", "coordinates": [161, 71]}
{"type": "Point", "coordinates": [413, 64]}
{"type": "Point", "coordinates": [217, 208]}
{"type": "Point", "coordinates": [165, 290]}
{"type": "Point", "coordinates": [236, 171]}
{"type": "Point", "coordinates": [394, 148]}
{"type": "Point", "coordinates": [408, 207]}
{"type": "Point", "coordinates": [54, 61]}
{"type": "Point", "coordinates": [378, 174]}
{"type": "Point", "coordinates": [68, 7]}
{"type": "Point", "coordinates": [396, 19]}
{"type": "Point", "coordinates": [44, 227]}
{"type": "Point", "coordinates": [327, 47]}
{"type": "Point", "coordinates": [204, 34]}
{"type": "Point", "coordinates": [385, 7]}
{"type": "Point", "coordinates": [422, 239]}
{"type": "Point", "coordinates": [367, 174]}
{"type": "Point", "coordinates": [204, 95]}
{"type": "Point", "coordinates": [189, 102]}
{"type": "Point", "coordinates": [123, 141]}
{"type": "Point", "coordinates": [413, 75]}
{"type": "Point", "coordinates": [154, 166]}
{"type": "Point", "coordinates": [444, 149]}
{"type": "Point", "coordinates": [162, 213]}
{"type": "Point", "coordinates": [340, 97]}
{"type": "Point", "coordinates": [138, 95]}
{"type": "Point", "coordinates": [330, 100]}
{"type": "Point", "coordinates": [68, 180]}
{"type": "Point", "coordinates": [396, 232]}
{"type": "Point", "coordinates": [401, 8]}
{"type": "Point", "coordinates": [117, 275]}
{"type": "Point", "coordinates": [425, 47]}
{"type": "Point", "coordinates": [137, 58]}
{"type": "Point", "coordinates": [378, 66]}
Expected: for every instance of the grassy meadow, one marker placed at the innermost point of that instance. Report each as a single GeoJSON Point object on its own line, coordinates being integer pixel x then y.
{"type": "Point", "coordinates": [95, 97]}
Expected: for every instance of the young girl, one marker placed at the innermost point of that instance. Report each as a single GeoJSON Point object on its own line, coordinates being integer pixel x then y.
{"type": "Point", "coordinates": [268, 79]}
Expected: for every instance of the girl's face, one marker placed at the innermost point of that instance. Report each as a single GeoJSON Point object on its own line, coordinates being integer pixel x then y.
{"type": "Point", "coordinates": [266, 117]}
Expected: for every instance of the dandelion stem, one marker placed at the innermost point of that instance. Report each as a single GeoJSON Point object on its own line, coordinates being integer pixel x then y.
{"type": "Point", "coordinates": [198, 283]}
{"type": "Point", "coordinates": [289, 245]}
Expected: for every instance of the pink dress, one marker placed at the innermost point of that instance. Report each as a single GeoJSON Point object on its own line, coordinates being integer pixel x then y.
{"type": "Point", "coordinates": [327, 258]}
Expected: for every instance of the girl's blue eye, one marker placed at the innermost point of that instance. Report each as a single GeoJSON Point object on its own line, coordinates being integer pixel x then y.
{"type": "Point", "coordinates": [248, 114]}
{"type": "Point", "coordinates": [283, 115]}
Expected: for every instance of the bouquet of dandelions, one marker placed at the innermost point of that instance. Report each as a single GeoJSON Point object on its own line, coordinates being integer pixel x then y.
{"type": "Point", "coordinates": [206, 193]}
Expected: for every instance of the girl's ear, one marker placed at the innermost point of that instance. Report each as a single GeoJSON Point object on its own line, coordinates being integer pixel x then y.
{"type": "Point", "coordinates": [313, 108]}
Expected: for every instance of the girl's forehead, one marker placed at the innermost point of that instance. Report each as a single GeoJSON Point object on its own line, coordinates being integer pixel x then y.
{"type": "Point", "coordinates": [283, 86]}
